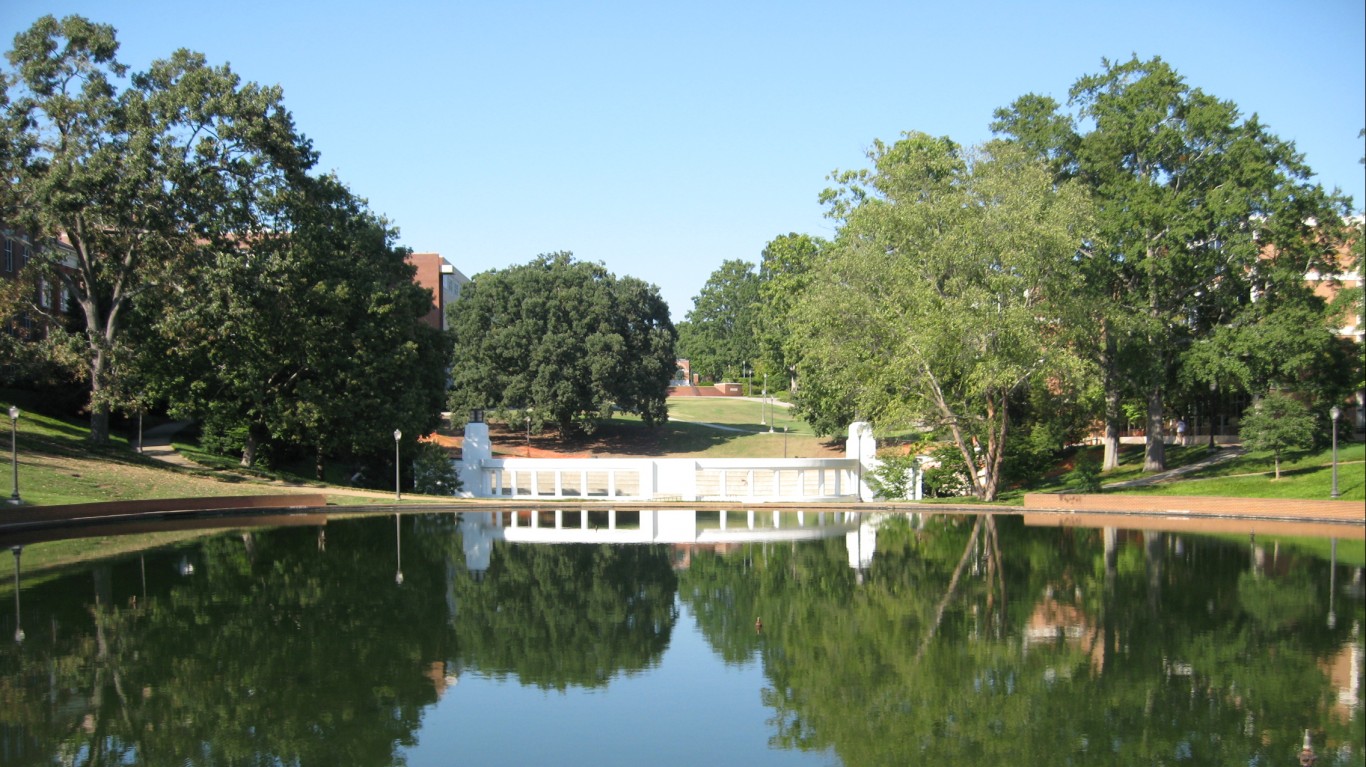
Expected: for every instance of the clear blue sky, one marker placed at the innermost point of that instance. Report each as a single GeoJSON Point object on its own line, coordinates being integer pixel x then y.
{"type": "Point", "coordinates": [664, 138]}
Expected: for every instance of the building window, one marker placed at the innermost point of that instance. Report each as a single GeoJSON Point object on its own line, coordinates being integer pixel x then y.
{"type": "Point", "coordinates": [9, 255]}
{"type": "Point", "coordinates": [44, 295]}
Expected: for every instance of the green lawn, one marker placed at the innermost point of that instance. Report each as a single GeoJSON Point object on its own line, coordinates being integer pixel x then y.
{"type": "Point", "coordinates": [1309, 476]}
{"type": "Point", "coordinates": [739, 413]}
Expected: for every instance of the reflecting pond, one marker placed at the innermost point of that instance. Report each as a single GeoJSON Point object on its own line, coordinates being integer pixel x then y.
{"type": "Point", "coordinates": [562, 638]}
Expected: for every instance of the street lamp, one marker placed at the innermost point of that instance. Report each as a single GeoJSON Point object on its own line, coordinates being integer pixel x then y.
{"type": "Point", "coordinates": [764, 407]}
{"type": "Point", "coordinates": [398, 495]}
{"type": "Point", "coordinates": [1213, 410]}
{"type": "Point", "coordinates": [14, 451]}
{"type": "Point", "coordinates": [1335, 413]}
{"type": "Point", "coordinates": [749, 377]}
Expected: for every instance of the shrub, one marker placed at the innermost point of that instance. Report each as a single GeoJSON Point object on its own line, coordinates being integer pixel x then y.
{"type": "Point", "coordinates": [1085, 474]}
{"type": "Point", "coordinates": [434, 472]}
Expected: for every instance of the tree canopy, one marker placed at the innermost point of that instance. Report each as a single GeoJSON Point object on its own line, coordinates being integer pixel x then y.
{"type": "Point", "coordinates": [208, 269]}
{"type": "Point", "coordinates": [941, 297]}
{"type": "Point", "coordinates": [562, 341]}
{"type": "Point", "coordinates": [719, 336]}
{"type": "Point", "coordinates": [136, 174]}
{"type": "Point", "coordinates": [310, 337]}
{"type": "Point", "coordinates": [1195, 207]}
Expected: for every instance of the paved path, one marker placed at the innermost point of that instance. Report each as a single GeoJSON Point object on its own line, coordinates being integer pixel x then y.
{"type": "Point", "coordinates": [156, 443]}
{"type": "Point", "coordinates": [1224, 455]}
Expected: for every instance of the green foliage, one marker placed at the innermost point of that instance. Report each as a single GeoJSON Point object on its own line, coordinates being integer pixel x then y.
{"type": "Point", "coordinates": [1030, 453]}
{"type": "Point", "coordinates": [939, 302]}
{"type": "Point", "coordinates": [308, 341]}
{"type": "Point", "coordinates": [567, 615]}
{"type": "Point", "coordinates": [1189, 194]}
{"type": "Point", "coordinates": [434, 473]}
{"type": "Point", "coordinates": [1085, 474]}
{"type": "Point", "coordinates": [1283, 342]}
{"type": "Point", "coordinates": [1280, 424]}
{"type": "Point", "coordinates": [891, 480]}
{"type": "Point", "coordinates": [122, 169]}
{"type": "Point", "coordinates": [784, 276]}
{"type": "Point", "coordinates": [944, 474]}
{"type": "Point", "coordinates": [719, 336]}
{"type": "Point", "coordinates": [562, 341]}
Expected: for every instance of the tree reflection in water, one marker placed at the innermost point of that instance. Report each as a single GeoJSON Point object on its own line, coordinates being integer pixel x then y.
{"type": "Point", "coordinates": [288, 647]}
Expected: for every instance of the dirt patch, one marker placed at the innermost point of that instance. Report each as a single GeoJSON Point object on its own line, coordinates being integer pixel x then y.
{"type": "Point", "coordinates": [610, 440]}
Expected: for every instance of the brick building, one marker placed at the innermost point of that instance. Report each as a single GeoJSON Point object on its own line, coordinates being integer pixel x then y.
{"type": "Point", "coordinates": [444, 281]}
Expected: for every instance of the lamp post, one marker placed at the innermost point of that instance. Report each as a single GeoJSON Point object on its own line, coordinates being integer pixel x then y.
{"type": "Point", "coordinates": [14, 452]}
{"type": "Point", "coordinates": [749, 377]}
{"type": "Point", "coordinates": [18, 627]}
{"type": "Point", "coordinates": [1213, 410]}
{"type": "Point", "coordinates": [767, 408]}
{"type": "Point", "coordinates": [1335, 413]}
{"type": "Point", "coordinates": [398, 494]}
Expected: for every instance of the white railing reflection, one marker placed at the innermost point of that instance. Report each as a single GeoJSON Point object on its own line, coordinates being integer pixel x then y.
{"type": "Point", "coordinates": [480, 530]}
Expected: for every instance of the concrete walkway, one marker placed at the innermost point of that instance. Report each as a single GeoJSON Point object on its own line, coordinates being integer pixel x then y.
{"type": "Point", "coordinates": [156, 444]}
{"type": "Point", "coordinates": [1223, 456]}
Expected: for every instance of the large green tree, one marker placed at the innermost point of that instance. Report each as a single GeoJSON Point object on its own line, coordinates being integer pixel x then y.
{"type": "Point", "coordinates": [563, 341]}
{"type": "Point", "coordinates": [940, 300]}
{"type": "Point", "coordinates": [1189, 194]}
{"type": "Point", "coordinates": [135, 174]}
{"type": "Point", "coordinates": [719, 337]}
{"type": "Point", "coordinates": [784, 274]}
{"type": "Point", "coordinates": [308, 336]}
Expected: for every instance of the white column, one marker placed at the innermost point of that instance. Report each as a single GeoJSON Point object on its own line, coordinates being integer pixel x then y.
{"type": "Point", "coordinates": [861, 446]}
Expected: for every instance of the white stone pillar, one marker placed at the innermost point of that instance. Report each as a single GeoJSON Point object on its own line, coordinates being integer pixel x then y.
{"type": "Point", "coordinates": [476, 449]}
{"type": "Point", "coordinates": [862, 446]}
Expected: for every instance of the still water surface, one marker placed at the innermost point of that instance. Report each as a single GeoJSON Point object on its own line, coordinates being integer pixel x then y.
{"type": "Point", "coordinates": [445, 639]}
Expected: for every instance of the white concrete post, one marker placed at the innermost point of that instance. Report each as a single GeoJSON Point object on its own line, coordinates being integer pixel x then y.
{"type": "Point", "coordinates": [862, 447]}
{"type": "Point", "coordinates": [476, 449]}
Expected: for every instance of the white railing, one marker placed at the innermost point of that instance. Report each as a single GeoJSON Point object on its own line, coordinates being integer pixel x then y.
{"type": "Point", "coordinates": [742, 480]}
{"type": "Point", "coordinates": [750, 480]}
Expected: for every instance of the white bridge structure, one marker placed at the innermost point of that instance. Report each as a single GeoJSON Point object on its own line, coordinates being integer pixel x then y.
{"type": "Point", "coordinates": [738, 480]}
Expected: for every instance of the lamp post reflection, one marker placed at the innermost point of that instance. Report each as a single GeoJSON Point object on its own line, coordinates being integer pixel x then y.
{"type": "Point", "coordinates": [1332, 584]}
{"type": "Point", "coordinates": [398, 550]}
{"type": "Point", "coordinates": [18, 625]}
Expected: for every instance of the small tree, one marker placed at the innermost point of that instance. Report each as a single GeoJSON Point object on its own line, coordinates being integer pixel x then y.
{"type": "Point", "coordinates": [1278, 423]}
{"type": "Point", "coordinates": [433, 471]}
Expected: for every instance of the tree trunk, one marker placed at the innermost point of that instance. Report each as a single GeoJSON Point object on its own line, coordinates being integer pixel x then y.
{"type": "Point", "coordinates": [256, 436]}
{"type": "Point", "coordinates": [1113, 412]}
{"type": "Point", "coordinates": [1155, 448]}
{"type": "Point", "coordinates": [99, 409]}
{"type": "Point", "coordinates": [249, 449]}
